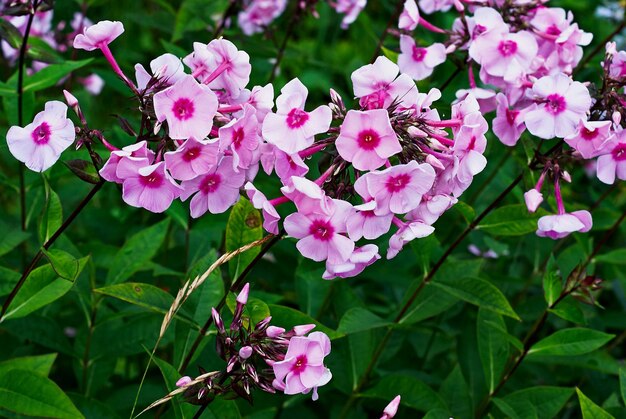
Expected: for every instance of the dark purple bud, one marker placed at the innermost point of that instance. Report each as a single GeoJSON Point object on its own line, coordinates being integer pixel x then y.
{"type": "Point", "coordinates": [231, 363]}
{"type": "Point", "coordinates": [219, 324]}
{"type": "Point", "coordinates": [251, 371]}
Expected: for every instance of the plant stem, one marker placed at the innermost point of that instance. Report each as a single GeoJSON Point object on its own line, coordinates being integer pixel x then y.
{"type": "Point", "coordinates": [295, 18]}
{"type": "Point", "coordinates": [390, 22]}
{"type": "Point", "coordinates": [47, 245]}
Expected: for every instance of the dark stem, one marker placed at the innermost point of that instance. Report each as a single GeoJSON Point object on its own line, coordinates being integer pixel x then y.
{"type": "Point", "coordinates": [200, 411]}
{"type": "Point", "coordinates": [393, 19]}
{"type": "Point", "coordinates": [234, 287]}
{"type": "Point", "coordinates": [281, 52]}
{"type": "Point", "coordinates": [599, 47]}
{"type": "Point", "coordinates": [232, 7]}
{"type": "Point", "coordinates": [47, 245]}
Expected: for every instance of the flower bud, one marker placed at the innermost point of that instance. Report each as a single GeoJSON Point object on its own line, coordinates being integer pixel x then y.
{"type": "Point", "coordinates": [303, 329]}
{"type": "Point", "coordinates": [391, 409]}
{"type": "Point", "coordinates": [70, 99]}
{"type": "Point", "coordinates": [533, 199]}
{"type": "Point", "coordinates": [242, 298]}
{"type": "Point", "coordinates": [245, 352]}
{"type": "Point", "coordinates": [183, 381]}
{"type": "Point", "coordinates": [219, 324]}
{"type": "Point", "coordinates": [273, 331]}
{"type": "Point", "coordinates": [263, 324]}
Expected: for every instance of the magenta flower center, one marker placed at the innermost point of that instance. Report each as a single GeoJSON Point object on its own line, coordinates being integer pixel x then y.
{"type": "Point", "coordinates": [511, 115]}
{"type": "Point", "coordinates": [322, 230]}
{"type": "Point", "coordinates": [210, 183]}
{"type": "Point", "coordinates": [398, 183]}
{"type": "Point", "coordinates": [478, 30]}
{"type": "Point", "coordinates": [238, 136]}
{"type": "Point", "coordinates": [183, 109]}
{"type": "Point", "coordinates": [41, 134]}
{"type": "Point", "coordinates": [507, 48]}
{"type": "Point", "coordinates": [153, 180]}
{"type": "Point", "coordinates": [368, 139]}
{"type": "Point", "coordinates": [553, 30]}
{"type": "Point", "coordinates": [300, 365]}
{"type": "Point", "coordinates": [587, 134]}
{"type": "Point", "coordinates": [619, 152]}
{"type": "Point", "coordinates": [419, 54]}
{"type": "Point", "coordinates": [191, 153]}
{"type": "Point", "coordinates": [555, 104]}
{"type": "Point", "coordinates": [296, 118]}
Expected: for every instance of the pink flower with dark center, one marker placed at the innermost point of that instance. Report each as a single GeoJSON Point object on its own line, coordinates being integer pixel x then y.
{"type": "Point", "coordinates": [508, 125]}
{"type": "Point", "coordinates": [138, 155]}
{"type": "Point", "coordinates": [562, 104]}
{"type": "Point", "coordinates": [188, 107]}
{"type": "Point", "coordinates": [367, 139]}
{"type": "Point", "coordinates": [361, 258]}
{"type": "Point", "coordinates": [590, 138]}
{"type": "Point", "coordinates": [291, 128]}
{"type": "Point", "coordinates": [215, 191]}
{"type": "Point", "coordinates": [99, 35]}
{"type": "Point", "coordinates": [562, 225]}
{"type": "Point", "coordinates": [303, 368]}
{"type": "Point", "coordinates": [419, 62]}
{"type": "Point", "coordinates": [410, 16]}
{"type": "Point", "coordinates": [241, 137]}
{"type": "Point", "coordinates": [149, 187]}
{"type": "Point", "coordinates": [612, 162]}
{"type": "Point", "coordinates": [192, 159]}
{"type": "Point", "coordinates": [40, 143]}
{"type": "Point", "coordinates": [320, 234]}
{"type": "Point", "coordinates": [508, 55]}
{"type": "Point", "coordinates": [377, 86]}
{"type": "Point", "coordinates": [398, 189]}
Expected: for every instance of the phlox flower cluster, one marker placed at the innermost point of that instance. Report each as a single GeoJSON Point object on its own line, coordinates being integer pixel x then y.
{"type": "Point", "coordinates": [262, 356]}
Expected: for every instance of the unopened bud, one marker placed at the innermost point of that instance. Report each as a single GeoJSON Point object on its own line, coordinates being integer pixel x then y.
{"type": "Point", "coordinates": [245, 352]}
{"type": "Point", "coordinates": [273, 331]}
{"type": "Point", "coordinates": [533, 199]}
{"type": "Point", "coordinates": [183, 381]}
{"type": "Point", "coordinates": [70, 99]}
{"type": "Point", "coordinates": [219, 324]}
{"type": "Point", "coordinates": [231, 363]}
{"type": "Point", "coordinates": [242, 298]}
{"type": "Point", "coordinates": [303, 329]}
{"type": "Point", "coordinates": [263, 324]}
{"type": "Point", "coordinates": [391, 409]}
{"type": "Point", "coordinates": [434, 162]}
{"type": "Point", "coordinates": [566, 176]}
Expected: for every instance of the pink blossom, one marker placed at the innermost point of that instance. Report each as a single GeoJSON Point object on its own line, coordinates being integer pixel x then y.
{"type": "Point", "coordinates": [612, 162]}
{"type": "Point", "coordinates": [431, 208]}
{"type": "Point", "coordinates": [303, 368]}
{"type": "Point", "coordinates": [167, 68]}
{"type": "Point", "coordinates": [241, 137]}
{"type": "Point", "coordinates": [561, 225]}
{"type": "Point", "coordinates": [319, 234]}
{"type": "Point", "coordinates": [98, 35]}
{"type": "Point", "coordinates": [419, 62]}
{"type": "Point", "coordinates": [351, 9]}
{"type": "Point", "coordinates": [92, 83]}
{"type": "Point", "coordinates": [590, 137]}
{"type": "Point", "coordinates": [367, 139]}
{"type": "Point", "coordinates": [40, 143]}
{"type": "Point", "coordinates": [562, 103]}
{"type": "Point", "coordinates": [469, 146]}
{"type": "Point", "coordinates": [215, 191]}
{"type": "Point", "coordinates": [533, 198]}
{"type": "Point", "coordinates": [508, 125]}
{"type": "Point", "coordinates": [260, 97]}
{"type": "Point", "coordinates": [149, 187]}
{"type": "Point", "coordinates": [183, 381]}
{"type": "Point", "coordinates": [364, 223]}
{"type": "Point", "coordinates": [191, 159]}
{"type": "Point", "coordinates": [431, 6]}
{"type": "Point", "coordinates": [405, 234]}
{"type": "Point", "coordinates": [505, 55]}
{"type": "Point", "coordinates": [259, 14]}
{"type": "Point", "coordinates": [410, 16]}
{"type": "Point", "coordinates": [391, 409]}
{"type": "Point", "coordinates": [486, 98]}
{"type": "Point", "coordinates": [287, 165]}
{"type": "Point", "coordinates": [291, 128]}
{"type": "Point", "coordinates": [259, 201]}
{"type": "Point", "coordinates": [398, 189]}
{"type": "Point", "coordinates": [231, 67]}
{"type": "Point", "coordinates": [137, 154]}
{"type": "Point", "coordinates": [617, 69]}
{"type": "Point", "coordinates": [361, 258]}
{"type": "Point", "coordinates": [308, 197]}
{"type": "Point", "coordinates": [188, 107]}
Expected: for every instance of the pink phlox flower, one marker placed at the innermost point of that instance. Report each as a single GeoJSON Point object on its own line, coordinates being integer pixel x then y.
{"type": "Point", "coordinates": [617, 69]}
{"type": "Point", "coordinates": [319, 233]}
{"type": "Point", "coordinates": [149, 187]}
{"type": "Point", "coordinates": [590, 137]}
{"type": "Point", "coordinates": [260, 97]}
{"type": "Point", "coordinates": [469, 146]}
{"type": "Point", "coordinates": [397, 189]}
{"type": "Point", "coordinates": [201, 61]}
{"type": "Point", "coordinates": [215, 191]}
{"type": "Point", "coordinates": [364, 223]}
{"type": "Point", "coordinates": [612, 162]}
{"type": "Point", "coordinates": [193, 158]}
{"type": "Point", "coordinates": [562, 104]}
{"type": "Point", "coordinates": [167, 68]}
{"type": "Point", "coordinates": [39, 144]}
{"type": "Point", "coordinates": [137, 154]}
{"type": "Point", "coordinates": [486, 98]}
{"type": "Point", "coordinates": [431, 208]}
{"type": "Point", "coordinates": [188, 107]}
{"type": "Point", "coordinates": [291, 128]}
{"type": "Point", "coordinates": [432, 6]}
{"type": "Point", "coordinates": [391, 409]}
{"type": "Point", "coordinates": [378, 85]}
{"type": "Point", "coordinates": [351, 9]}
{"type": "Point", "coordinates": [407, 232]}
{"type": "Point", "coordinates": [258, 14]}
{"type": "Point", "coordinates": [419, 62]}
{"type": "Point", "coordinates": [562, 225]}
{"type": "Point", "coordinates": [241, 138]}
{"type": "Point", "coordinates": [367, 139]}
{"type": "Point", "coordinates": [93, 83]}
{"type": "Point", "coordinates": [303, 368]}
{"type": "Point", "coordinates": [287, 165]}
{"type": "Point", "coordinates": [505, 55]}
{"type": "Point", "coordinates": [508, 125]}
{"type": "Point", "coordinates": [234, 66]}
{"type": "Point", "coordinates": [361, 258]}
{"type": "Point", "coordinates": [259, 201]}
{"type": "Point", "coordinates": [464, 108]}
{"type": "Point", "coordinates": [485, 22]}
{"type": "Point", "coordinates": [98, 35]}
{"type": "Point", "coordinates": [410, 16]}
{"type": "Point", "coordinates": [533, 198]}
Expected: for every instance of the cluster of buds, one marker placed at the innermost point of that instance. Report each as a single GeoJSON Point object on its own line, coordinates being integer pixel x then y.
{"type": "Point", "coordinates": [262, 356]}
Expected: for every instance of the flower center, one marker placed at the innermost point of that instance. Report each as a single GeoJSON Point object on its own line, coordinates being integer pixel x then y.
{"type": "Point", "coordinates": [397, 183]}
{"type": "Point", "coordinates": [210, 183]}
{"type": "Point", "coordinates": [555, 104]}
{"type": "Point", "coordinates": [300, 364]}
{"type": "Point", "coordinates": [191, 154]}
{"type": "Point", "coordinates": [507, 48]}
{"type": "Point", "coordinates": [368, 139]}
{"type": "Point", "coordinates": [553, 30]}
{"type": "Point", "coordinates": [238, 136]}
{"type": "Point", "coordinates": [479, 30]}
{"type": "Point", "coordinates": [153, 180]}
{"type": "Point", "coordinates": [41, 134]}
{"type": "Point", "coordinates": [587, 134]}
{"type": "Point", "coordinates": [183, 109]}
{"type": "Point", "coordinates": [619, 152]}
{"type": "Point", "coordinates": [322, 230]}
{"type": "Point", "coordinates": [419, 53]}
{"type": "Point", "coordinates": [296, 118]}
{"type": "Point", "coordinates": [511, 115]}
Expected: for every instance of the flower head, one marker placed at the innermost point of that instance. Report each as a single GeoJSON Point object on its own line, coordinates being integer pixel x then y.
{"type": "Point", "coordinates": [98, 35]}
{"type": "Point", "coordinates": [561, 225]}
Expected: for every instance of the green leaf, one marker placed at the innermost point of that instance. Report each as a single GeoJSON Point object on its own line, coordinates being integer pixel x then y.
{"type": "Point", "coordinates": [466, 211]}
{"type": "Point", "coordinates": [11, 34]}
{"type": "Point", "coordinates": [543, 402]}
{"type": "Point", "coordinates": [358, 319]}
{"type": "Point", "coordinates": [143, 295]}
{"type": "Point", "coordinates": [170, 375]}
{"type": "Point", "coordinates": [574, 341]}
{"type": "Point", "coordinates": [27, 393]}
{"type": "Point", "coordinates": [615, 257]}
{"type": "Point", "coordinates": [511, 220]}
{"type": "Point", "coordinates": [11, 237]}
{"type": "Point", "coordinates": [492, 346]}
{"type": "Point", "coordinates": [552, 286]}
{"type": "Point", "coordinates": [52, 215]}
{"type": "Point", "coordinates": [41, 364]}
{"type": "Point", "coordinates": [569, 310]}
{"type": "Point", "coordinates": [392, 55]}
{"type": "Point", "coordinates": [622, 383]}
{"type": "Point", "coordinates": [510, 411]}
{"type": "Point", "coordinates": [244, 226]}
{"type": "Point", "coordinates": [255, 310]}
{"type": "Point", "coordinates": [138, 250]}
{"type": "Point", "coordinates": [52, 74]}
{"type": "Point", "coordinates": [589, 409]}
{"type": "Point", "coordinates": [456, 393]}
{"type": "Point", "coordinates": [288, 317]}
{"type": "Point", "coordinates": [65, 265]}
{"type": "Point", "coordinates": [478, 292]}
{"type": "Point", "coordinates": [42, 287]}
{"type": "Point", "coordinates": [8, 279]}
{"type": "Point", "coordinates": [415, 393]}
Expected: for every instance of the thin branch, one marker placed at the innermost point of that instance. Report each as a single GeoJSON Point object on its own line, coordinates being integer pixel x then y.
{"type": "Point", "coordinates": [394, 18]}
